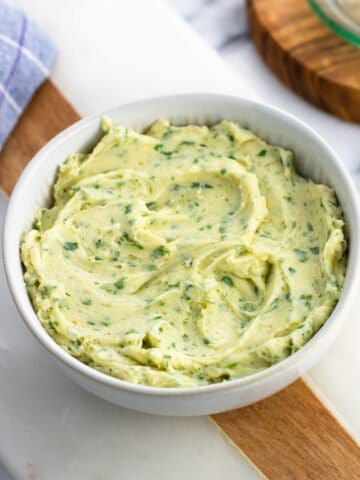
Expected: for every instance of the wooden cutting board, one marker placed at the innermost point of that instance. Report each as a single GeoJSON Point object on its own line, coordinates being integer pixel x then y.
{"type": "Point", "coordinates": [289, 436]}
{"type": "Point", "coordinates": [307, 55]}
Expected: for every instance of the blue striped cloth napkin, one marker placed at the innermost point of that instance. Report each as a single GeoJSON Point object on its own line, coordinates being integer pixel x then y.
{"type": "Point", "coordinates": [26, 56]}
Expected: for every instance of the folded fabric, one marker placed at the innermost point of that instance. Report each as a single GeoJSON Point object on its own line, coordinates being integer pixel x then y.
{"type": "Point", "coordinates": [221, 22]}
{"type": "Point", "coordinates": [26, 56]}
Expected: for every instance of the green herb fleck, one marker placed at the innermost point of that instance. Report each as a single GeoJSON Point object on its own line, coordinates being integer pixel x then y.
{"type": "Point", "coordinates": [168, 133]}
{"type": "Point", "coordinates": [151, 205]}
{"type": "Point", "coordinates": [228, 281]}
{"type": "Point", "coordinates": [70, 246]}
{"type": "Point", "coordinates": [302, 255]}
{"type": "Point", "coordinates": [315, 250]}
{"type": "Point", "coordinates": [129, 332]}
{"type": "Point", "coordinates": [304, 296]}
{"type": "Point", "coordinates": [289, 198]}
{"type": "Point", "coordinates": [45, 291]}
{"type": "Point", "coordinates": [128, 208]}
{"type": "Point", "coordinates": [119, 284]}
{"type": "Point", "coordinates": [129, 241]}
{"type": "Point", "coordinates": [248, 307]}
{"type": "Point", "coordinates": [201, 185]}
{"type": "Point", "coordinates": [274, 304]}
{"type": "Point", "coordinates": [158, 252]}
{"type": "Point", "coordinates": [232, 366]}
{"type": "Point", "coordinates": [53, 325]}
{"type": "Point", "coordinates": [262, 153]}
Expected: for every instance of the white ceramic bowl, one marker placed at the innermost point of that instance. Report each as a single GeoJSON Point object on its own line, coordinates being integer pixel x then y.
{"type": "Point", "coordinates": [313, 159]}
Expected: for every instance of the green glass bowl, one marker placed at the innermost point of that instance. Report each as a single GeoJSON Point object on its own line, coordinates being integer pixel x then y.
{"type": "Point", "coordinates": [342, 16]}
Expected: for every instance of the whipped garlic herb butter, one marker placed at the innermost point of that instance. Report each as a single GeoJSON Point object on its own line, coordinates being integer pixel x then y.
{"type": "Point", "coordinates": [184, 256]}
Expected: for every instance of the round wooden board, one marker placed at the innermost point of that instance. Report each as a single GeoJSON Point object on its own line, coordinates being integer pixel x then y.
{"type": "Point", "coordinates": [307, 56]}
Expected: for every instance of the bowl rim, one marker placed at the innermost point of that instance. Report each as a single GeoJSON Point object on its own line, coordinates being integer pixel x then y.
{"type": "Point", "coordinates": [27, 312]}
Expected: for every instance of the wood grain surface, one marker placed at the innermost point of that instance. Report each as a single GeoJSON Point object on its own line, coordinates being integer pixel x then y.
{"type": "Point", "coordinates": [289, 436]}
{"type": "Point", "coordinates": [292, 436]}
{"type": "Point", "coordinates": [46, 115]}
{"type": "Point", "coordinates": [307, 55]}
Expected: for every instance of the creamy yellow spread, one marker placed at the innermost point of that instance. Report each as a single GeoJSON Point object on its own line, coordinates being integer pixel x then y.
{"type": "Point", "coordinates": [184, 256]}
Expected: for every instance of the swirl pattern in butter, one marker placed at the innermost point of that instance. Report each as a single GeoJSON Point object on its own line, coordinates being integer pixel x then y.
{"type": "Point", "coordinates": [184, 256]}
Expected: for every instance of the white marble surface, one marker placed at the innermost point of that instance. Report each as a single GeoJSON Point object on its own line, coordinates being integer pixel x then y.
{"type": "Point", "coordinates": [147, 54]}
